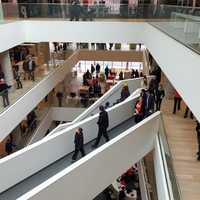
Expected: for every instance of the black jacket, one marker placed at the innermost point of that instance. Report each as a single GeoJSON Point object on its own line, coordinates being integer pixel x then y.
{"type": "Point", "coordinates": [150, 101]}
{"type": "Point", "coordinates": [79, 140]}
{"type": "Point", "coordinates": [103, 119]}
{"type": "Point", "coordinates": [3, 87]}
{"type": "Point", "coordinates": [160, 94]}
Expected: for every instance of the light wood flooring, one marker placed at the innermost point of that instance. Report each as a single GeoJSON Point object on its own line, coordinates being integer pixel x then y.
{"type": "Point", "coordinates": [183, 145]}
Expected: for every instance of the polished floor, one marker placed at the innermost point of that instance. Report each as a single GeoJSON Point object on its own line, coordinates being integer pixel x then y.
{"type": "Point", "coordinates": [183, 145]}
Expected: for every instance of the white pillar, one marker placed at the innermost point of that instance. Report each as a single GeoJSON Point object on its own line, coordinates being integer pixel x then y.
{"type": "Point", "coordinates": [6, 67]}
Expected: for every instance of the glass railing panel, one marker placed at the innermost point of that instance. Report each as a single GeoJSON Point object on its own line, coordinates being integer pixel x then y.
{"type": "Point", "coordinates": [1, 13]}
{"type": "Point", "coordinates": [168, 158]}
{"type": "Point", "coordinates": [181, 23]}
{"type": "Point", "coordinates": [91, 11]}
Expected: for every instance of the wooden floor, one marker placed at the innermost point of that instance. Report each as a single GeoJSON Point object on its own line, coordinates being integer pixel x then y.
{"type": "Point", "coordinates": [183, 144]}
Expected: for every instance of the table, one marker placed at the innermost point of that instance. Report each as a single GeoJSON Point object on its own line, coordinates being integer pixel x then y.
{"type": "Point", "coordinates": [111, 82]}
{"type": "Point", "coordinates": [84, 89]}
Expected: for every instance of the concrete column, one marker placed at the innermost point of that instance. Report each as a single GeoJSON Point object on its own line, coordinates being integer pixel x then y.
{"type": "Point", "coordinates": [6, 67]}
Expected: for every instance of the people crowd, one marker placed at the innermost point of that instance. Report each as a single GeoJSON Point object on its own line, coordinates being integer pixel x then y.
{"type": "Point", "coordinates": [150, 100]}
{"type": "Point", "coordinates": [27, 72]}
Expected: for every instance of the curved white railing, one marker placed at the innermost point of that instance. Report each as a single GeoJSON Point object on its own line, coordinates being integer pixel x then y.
{"type": "Point", "coordinates": [52, 148]}
{"type": "Point", "coordinates": [111, 96]}
{"type": "Point", "coordinates": [89, 176]}
{"type": "Point", "coordinates": [106, 163]}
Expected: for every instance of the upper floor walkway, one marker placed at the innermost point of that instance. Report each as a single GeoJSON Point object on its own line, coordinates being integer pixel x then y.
{"type": "Point", "coordinates": [172, 56]}
{"type": "Point", "coordinates": [181, 23]}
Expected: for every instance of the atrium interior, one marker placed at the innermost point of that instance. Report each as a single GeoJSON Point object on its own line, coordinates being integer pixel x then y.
{"type": "Point", "coordinates": [99, 100]}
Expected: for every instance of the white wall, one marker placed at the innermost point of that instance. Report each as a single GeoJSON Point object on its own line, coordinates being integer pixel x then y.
{"type": "Point", "coordinates": [66, 114]}
{"type": "Point", "coordinates": [57, 146]}
{"type": "Point", "coordinates": [84, 31]}
{"type": "Point", "coordinates": [11, 34]}
{"type": "Point", "coordinates": [54, 114]}
{"type": "Point", "coordinates": [101, 167]}
{"type": "Point", "coordinates": [180, 65]}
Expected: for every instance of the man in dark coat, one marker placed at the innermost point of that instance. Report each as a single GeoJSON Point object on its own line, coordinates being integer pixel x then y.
{"type": "Point", "coordinates": [30, 66]}
{"type": "Point", "coordinates": [4, 92]}
{"type": "Point", "coordinates": [98, 68]}
{"type": "Point", "coordinates": [79, 144]}
{"type": "Point", "coordinates": [103, 123]}
{"type": "Point", "coordinates": [150, 104]}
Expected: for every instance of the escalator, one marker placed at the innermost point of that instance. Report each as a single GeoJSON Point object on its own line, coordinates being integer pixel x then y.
{"type": "Point", "coordinates": [43, 175]}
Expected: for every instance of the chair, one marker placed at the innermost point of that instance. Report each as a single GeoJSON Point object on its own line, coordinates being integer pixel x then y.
{"type": "Point", "coordinates": [72, 95]}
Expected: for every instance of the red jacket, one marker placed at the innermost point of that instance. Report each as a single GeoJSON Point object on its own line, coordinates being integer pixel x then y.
{"type": "Point", "coordinates": [176, 94]}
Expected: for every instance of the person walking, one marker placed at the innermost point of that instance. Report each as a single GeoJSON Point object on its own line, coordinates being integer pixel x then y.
{"type": "Point", "coordinates": [160, 94]}
{"type": "Point", "coordinates": [79, 144]}
{"type": "Point", "coordinates": [198, 140]}
{"type": "Point", "coordinates": [103, 123]}
{"type": "Point", "coordinates": [177, 102]}
{"type": "Point", "coordinates": [17, 77]}
{"type": "Point", "coordinates": [4, 92]}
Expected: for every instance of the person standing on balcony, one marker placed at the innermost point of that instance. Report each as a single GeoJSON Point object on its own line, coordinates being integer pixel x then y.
{"type": "Point", "coordinates": [107, 71]}
{"type": "Point", "coordinates": [75, 10]}
{"type": "Point", "coordinates": [92, 69]}
{"type": "Point", "coordinates": [103, 123]}
{"type": "Point", "coordinates": [79, 144]}
{"type": "Point", "coordinates": [31, 68]}
{"type": "Point", "coordinates": [17, 77]}
{"type": "Point", "coordinates": [4, 92]}
{"type": "Point", "coordinates": [98, 68]}
{"type": "Point", "coordinates": [124, 8]}
{"type": "Point", "coordinates": [85, 9]}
